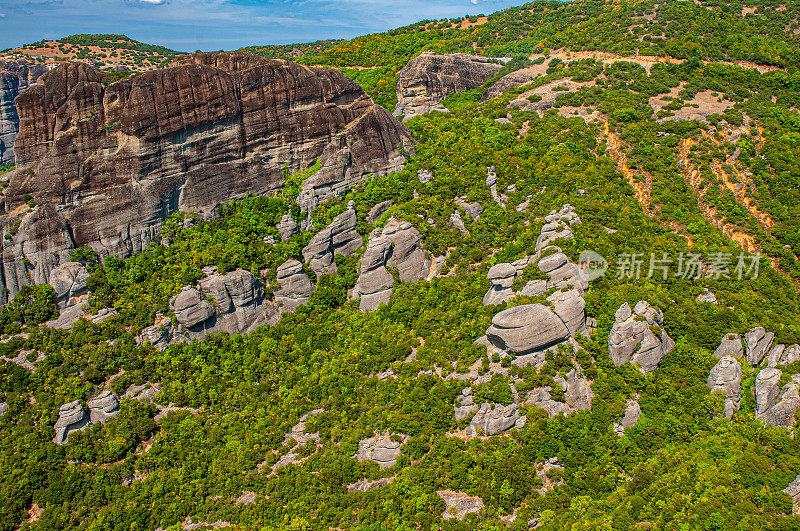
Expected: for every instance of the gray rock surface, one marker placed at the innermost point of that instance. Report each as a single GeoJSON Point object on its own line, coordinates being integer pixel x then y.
{"type": "Point", "coordinates": [381, 449]}
{"type": "Point", "coordinates": [398, 245]}
{"type": "Point", "coordinates": [629, 419]}
{"type": "Point", "coordinates": [429, 78]}
{"type": "Point", "coordinates": [731, 345]}
{"type": "Point", "coordinates": [3, 409]}
{"type": "Point", "coordinates": [295, 286]}
{"type": "Point", "coordinates": [525, 328]}
{"type": "Point", "coordinates": [459, 504]}
{"type": "Point", "coordinates": [707, 296]}
{"type": "Point", "coordinates": [578, 395]}
{"type": "Point", "coordinates": [103, 407]}
{"type": "Point", "coordinates": [191, 308]}
{"type": "Point", "coordinates": [757, 343]}
{"type": "Point", "coordinates": [71, 417]}
{"type": "Point", "coordinates": [424, 176]}
{"type": "Point", "coordinates": [287, 227]}
{"type": "Point", "coordinates": [781, 355]}
{"type": "Point", "coordinates": [776, 406]}
{"type": "Point", "coordinates": [160, 334]}
{"type": "Point", "coordinates": [69, 282]}
{"type": "Point", "coordinates": [557, 225]}
{"type": "Point", "coordinates": [377, 211]}
{"type": "Point", "coordinates": [637, 336]}
{"type": "Point", "coordinates": [465, 404]}
{"type": "Point", "coordinates": [726, 378]}
{"type": "Point", "coordinates": [493, 419]}
{"type": "Point", "coordinates": [15, 77]}
{"type": "Point", "coordinates": [340, 237]}
{"type": "Point", "coordinates": [473, 210]}
{"type": "Point", "coordinates": [793, 490]}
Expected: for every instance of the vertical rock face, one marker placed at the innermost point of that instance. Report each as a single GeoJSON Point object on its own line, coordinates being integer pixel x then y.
{"type": "Point", "coordinates": [15, 76]}
{"type": "Point", "coordinates": [103, 407]}
{"type": "Point", "coordinates": [776, 406]}
{"type": "Point", "coordinates": [637, 336]}
{"type": "Point", "coordinates": [106, 165]}
{"type": "Point", "coordinates": [429, 78]}
{"type": "Point", "coordinates": [340, 237]}
{"type": "Point", "coordinates": [398, 245]}
{"type": "Point", "coordinates": [71, 417]}
{"type": "Point", "coordinates": [757, 342]}
{"type": "Point", "coordinates": [726, 378]}
{"type": "Point", "coordinates": [295, 287]}
{"type": "Point", "coordinates": [69, 282]}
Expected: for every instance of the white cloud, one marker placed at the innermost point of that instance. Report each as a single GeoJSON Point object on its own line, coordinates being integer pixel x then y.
{"type": "Point", "coordinates": [154, 2]}
{"type": "Point", "coordinates": [474, 2]}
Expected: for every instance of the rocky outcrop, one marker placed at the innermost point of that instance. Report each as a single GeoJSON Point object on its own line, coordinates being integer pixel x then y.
{"type": "Point", "coordinates": [707, 296]}
{"type": "Point", "coordinates": [287, 227]}
{"type": "Point", "coordinates": [295, 287]}
{"type": "Point", "coordinates": [429, 78]}
{"type": "Point", "coordinates": [377, 211]}
{"type": "Point", "coordinates": [161, 333]}
{"type": "Point", "coordinates": [106, 165]}
{"type": "Point", "coordinates": [473, 210]}
{"type": "Point", "coordinates": [493, 419]}
{"type": "Point", "coordinates": [757, 344]}
{"type": "Point", "coordinates": [71, 417]}
{"type": "Point", "coordinates": [637, 336]}
{"type": "Point", "coordinates": [191, 308]}
{"type": "Point", "coordinates": [783, 355]}
{"type": "Point", "coordinates": [726, 378]}
{"type": "Point", "coordinates": [793, 490]}
{"type": "Point", "coordinates": [15, 77]}
{"type": "Point", "coordinates": [340, 237]}
{"type": "Point", "coordinates": [69, 282]}
{"type": "Point", "coordinates": [103, 407]}
{"type": "Point", "coordinates": [776, 406]}
{"type": "Point", "coordinates": [557, 225]}
{"type": "Point", "coordinates": [459, 504]}
{"type": "Point", "coordinates": [731, 345]}
{"type": "Point", "coordinates": [578, 395]}
{"type": "Point", "coordinates": [381, 449]}
{"type": "Point", "coordinates": [629, 419]}
{"type": "Point", "coordinates": [398, 246]}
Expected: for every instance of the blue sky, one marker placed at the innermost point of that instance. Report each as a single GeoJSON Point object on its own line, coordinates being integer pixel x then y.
{"type": "Point", "coordinates": [190, 25]}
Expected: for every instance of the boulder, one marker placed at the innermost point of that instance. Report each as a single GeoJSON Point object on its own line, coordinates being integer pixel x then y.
{"type": "Point", "coordinates": [377, 211]}
{"type": "Point", "coordinates": [160, 334]}
{"type": "Point", "coordinates": [726, 378]}
{"type": "Point", "coordinates": [757, 344]}
{"type": "Point", "coordinates": [398, 246]}
{"type": "Point", "coordinates": [69, 282]}
{"type": "Point", "coordinates": [3, 409]}
{"type": "Point", "coordinates": [103, 407]}
{"type": "Point", "coordinates": [465, 404]}
{"type": "Point", "coordinates": [768, 386]}
{"type": "Point", "coordinates": [502, 278]}
{"type": "Point", "coordinates": [424, 176]}
{"type": "Point", "coordinates": [191, 308]}
{"type": "Point", "coordinates": [784, 409]}
{"type": "Point", "coordinates": [340, 237]}
{"type": "Point", "coordinates": [429, 78]}
{"type": "Point", "coordinates": [493, 419]}
{"type": "Point", "coordinates": [381, 449]}
{"type": "Point", "coordinates": [295, 286]}
{"type": "Point", "coordinates": [707, 296]}
{"type": "Point", "coordinates": [629, 419]}
{"type": "Point", "coordinates": [783, 355]}
{"type": "Point", "coordinates": [473, 210]}
{"type": "Point", "coordinates": [71, 417]}
{"type": "Point", "coordinates": [526, 328]}
{"type": "Point", "coordinates": [731, 345]}
{"type": "Point", "coordinates": [637, 336]}
{"type": "Point", "coordinates": [287, 227]}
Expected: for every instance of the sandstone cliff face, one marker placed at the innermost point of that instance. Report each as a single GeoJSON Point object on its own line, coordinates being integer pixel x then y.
{"type": "Point", "coordinates": [106, 165]}
{"type": "Point", "coordinates": [15, 76]}
{"type": "Point", "coordinates": [429, 78]}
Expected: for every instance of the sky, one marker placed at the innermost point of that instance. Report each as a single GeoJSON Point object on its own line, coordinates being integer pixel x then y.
{"type": "Point", "coordinates": [189, 25]}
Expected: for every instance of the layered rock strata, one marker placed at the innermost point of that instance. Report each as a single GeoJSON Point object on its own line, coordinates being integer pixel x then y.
{"type": "Point", "coordinates": [295, 286]}
{"type": "Point", "coordinates": [429, 78]}
{"type": "Point", "coordinates": [398, 246]}
{"type": "Point", "coordinates": [726, 378]}
{"type": "Point", "coordinates": [340, 237]}
{"type": "Point", "coordinates": [106, 165]}
{"type": "Point", "coordinates": [638, 336]}
{"type": "Point", "coordinates": [15, 77]}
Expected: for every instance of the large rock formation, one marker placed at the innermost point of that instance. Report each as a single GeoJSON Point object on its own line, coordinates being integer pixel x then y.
{"type": "Point", "coordinates": [15, 77]}
{"type": "Point", "coordinates": [632, 413]}
{"type": "Point", "coordinates": [637, 336]}
{"type": "Point", "coordinates": [71, 417]}
{"type": "Point", "coordinates": [731, 345]}
{"type": "Point", "coordinates": [776, 406]}
{"type": "Point", "coordinates": [295, 287]}
{"type": "Point", "coordinates": [492, 419]}
{"type": "Point", "coordinates": [757, 344]}
{"type": "Point", "coordinates": [69, 282]}
{"type": "Point", "coordinates": [398, 245]}
{"type": "Point", "coordinates": [106, 165]}
{"type": "Point", "coordinates": [381, 449]}
{"type": "Point", "coordinates": [429, 78]}
{"type": "Point", "coordinates": [726, 378]}
{"type": "Point", "coordinates": [103, 407]}
{"type": "Point", "coordinates": [340, 237]}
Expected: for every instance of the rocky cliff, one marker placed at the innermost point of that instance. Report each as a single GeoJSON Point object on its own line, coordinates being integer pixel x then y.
{"type": "Point", "coordinates": [105, 165]}
{"type": "Point", "coordinates": [429, 78]}
{"type": "Point", "coordinates": [15, 76]}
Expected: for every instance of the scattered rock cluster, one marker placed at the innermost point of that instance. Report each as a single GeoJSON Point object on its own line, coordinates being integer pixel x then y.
{"type": "Point", "coordinates": [382, 449]}
{"type": "Point", "coordinates": [637, 336]}
{"type": "Point", "coordinates": [398, 246]}
{"type": "Point", "coordinates": [429, 78]}
{"type": "Point", "coordinates": [459, 504]}
{"type": "Point", "coordinates": [557, 225]}
{"type": "Point", "coordinates": [493, 419]}
{"type": "Point", "coordinates": [340, 237]}
{"type": "Point", "coordinates": [300, 436]}
{"type": "Point", "coordinates": [578, 395]}
{"type": "Point", "coordinates": [757, 347]}
{"type": "Point", "coordinates": [726, 378]}
{"type": "Point", "coordinates": [72, 416]}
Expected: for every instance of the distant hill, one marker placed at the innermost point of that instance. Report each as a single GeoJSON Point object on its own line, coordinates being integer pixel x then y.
{"type": "Point", "coordinates": [107, 51]}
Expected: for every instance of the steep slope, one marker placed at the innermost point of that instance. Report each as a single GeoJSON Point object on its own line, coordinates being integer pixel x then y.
{"type": "Point", "coordinates": [15, 77]}
{"type": "Point", "coordinates": [106, 165]}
